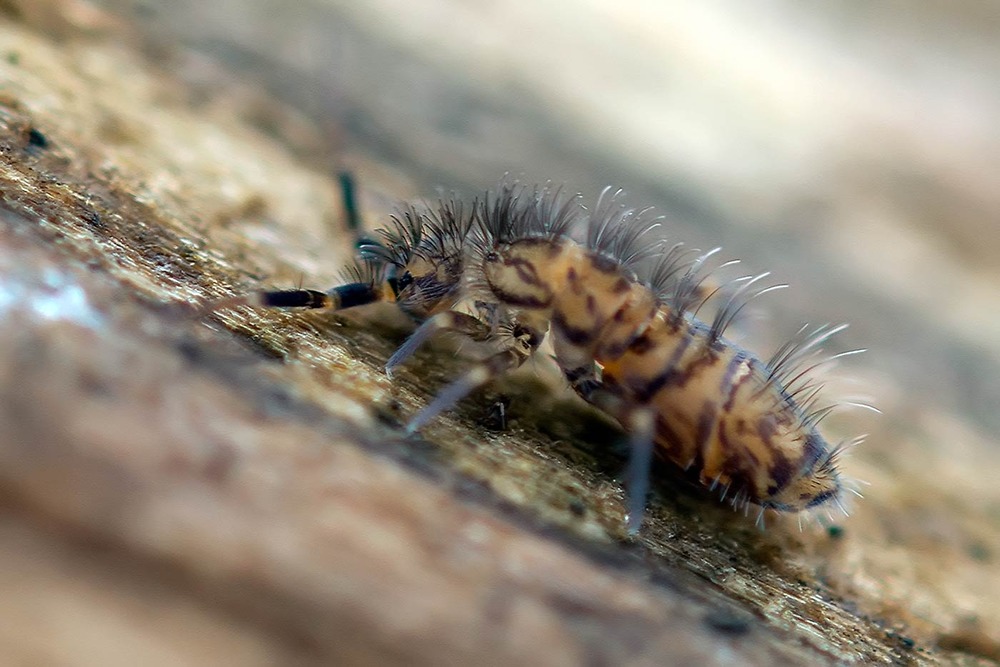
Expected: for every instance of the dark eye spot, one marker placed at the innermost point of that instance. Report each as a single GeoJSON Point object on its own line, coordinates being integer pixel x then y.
{"type": "Point", "coordinates": [492, 256]}
{"type": "Point", "coordinates": [404, 281]}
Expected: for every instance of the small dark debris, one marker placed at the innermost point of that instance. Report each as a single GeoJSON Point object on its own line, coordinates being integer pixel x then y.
{"type": "Point", "coordinates": [728, 622]}
{"type": "Point", "coordinates": [577, 508]}
{"type": "Point", "coordinates": [906, 642]}
{"type": "Point", "coordinates": [92, 218]}
{"type": "Point", "coordinates": [496, 418]}
{"type": "Point", "coordinates": [37, 140]}
{"type": "Point", "coordinates": [835, 532]}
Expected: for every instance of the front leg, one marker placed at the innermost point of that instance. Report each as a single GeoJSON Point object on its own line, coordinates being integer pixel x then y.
{"type": "Point", "coordinates": [450, 320]}
{"type": "Point", "coordinates": [523, 342]}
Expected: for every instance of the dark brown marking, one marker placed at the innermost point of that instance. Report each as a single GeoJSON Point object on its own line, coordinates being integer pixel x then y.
{"type": "Point", "coordinates": [575, 284]}
{"type": "Point", "coordinates": [728, 445]}
{"type": "Point", "coordinates": [780, 471]}
{"type": "Point", "coordinates": [653, 387]}
{"type": "Point", "coordinates": [666, 435]}
{"type": "Point", "coordinates": [526, 271]}
{"type": "Point", "coordinates": [707, 359]}
{"type": "Point", "coordinates": [641, 345]}
{"type": "Point", "coordinates": [603, 264]}
{"type": "Point", "coordinates": [522, 300]}
{"type": "Point", "coordinates": [766, 428]}
{"type": "Point", "coordinates": [739, 465]}
{"type": "Point", "coordinates": [574, 335]}
{"type": "Point", "coordinates": [614, 351]}
{"type": "Point", "coordinates": [669, 373]}
{"type": "Point", "coordinates": [727, 379]}
{"type": "Point", "coordinates": [621, 286]}
{"type": "Point", "coordinates": [591, 305]}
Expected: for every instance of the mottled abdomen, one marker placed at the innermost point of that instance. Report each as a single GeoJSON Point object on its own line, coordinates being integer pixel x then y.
{"type": "Point", "coordinates": [672, 381]}
{"type": "Point", "coordinates": [718, 413]}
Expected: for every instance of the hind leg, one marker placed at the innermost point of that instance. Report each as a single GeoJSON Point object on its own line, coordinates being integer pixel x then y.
{"type": "Point", "coordinates": [640, 423]}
